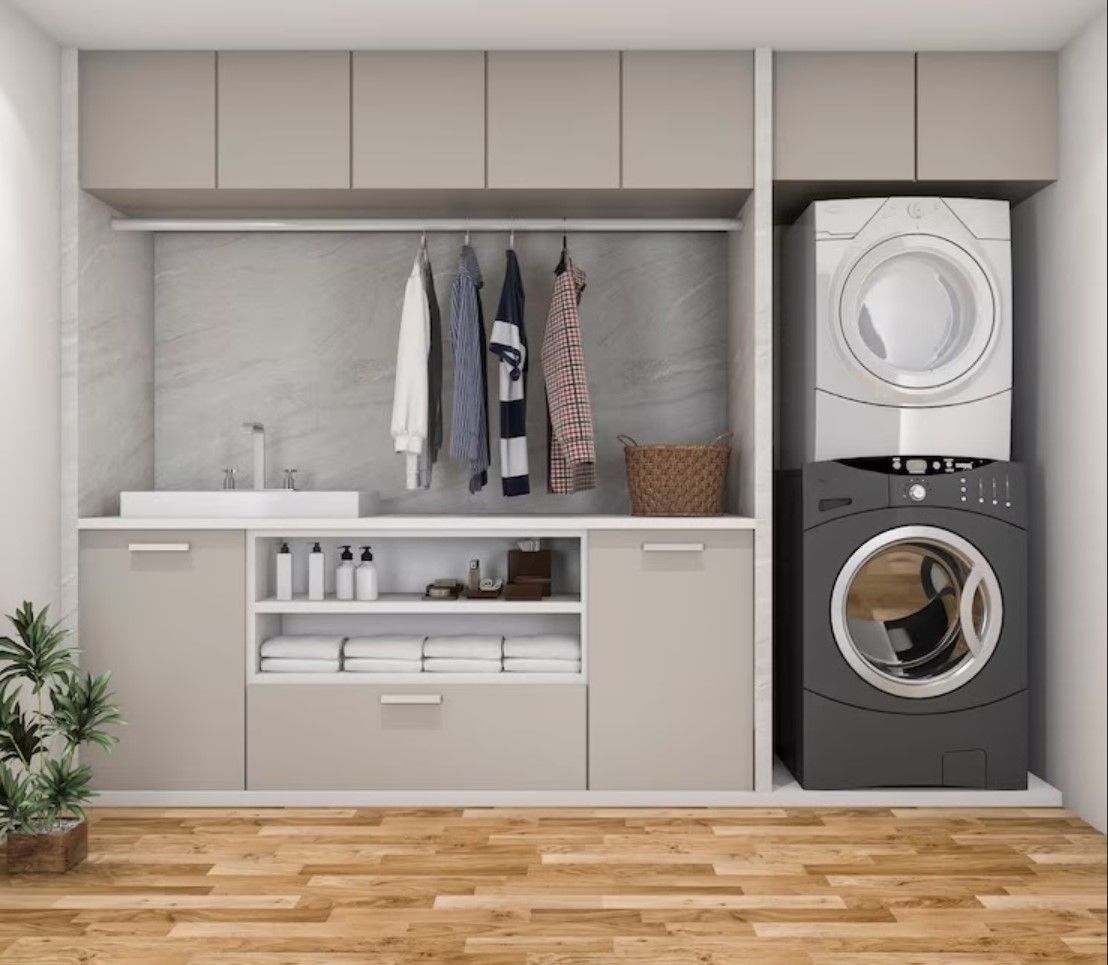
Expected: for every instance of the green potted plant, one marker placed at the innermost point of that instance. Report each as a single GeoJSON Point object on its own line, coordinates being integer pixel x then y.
{"type": "Point", "coordinates": [48, 710]}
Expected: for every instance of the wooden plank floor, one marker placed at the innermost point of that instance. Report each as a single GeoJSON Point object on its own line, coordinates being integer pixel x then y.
{"type": "Point", "coordinates": [568, 887]}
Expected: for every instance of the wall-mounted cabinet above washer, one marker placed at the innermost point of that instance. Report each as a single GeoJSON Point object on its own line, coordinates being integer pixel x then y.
{"type": "Point", "coordinates": [147, 119]}
{"type": "Point", "coordinates": [844, 116]}
{"type": "Point", "coordinates": [987, 116]}
{"type": "Point", "coordinates": [284, 119]}
{"type": "Point", "coordinates": [939, 117]}
{"type": "Point", "coordinates": [418, 119]}
{"type": "Point", "coordinates": [688, 119]}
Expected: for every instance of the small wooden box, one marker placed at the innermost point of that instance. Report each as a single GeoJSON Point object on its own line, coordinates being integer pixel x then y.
{"type": "Point", "coordinates": [532, 569]}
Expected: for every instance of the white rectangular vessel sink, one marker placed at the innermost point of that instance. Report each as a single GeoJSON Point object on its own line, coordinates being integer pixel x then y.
{"type": "Point", "coordinates": [232, 503]}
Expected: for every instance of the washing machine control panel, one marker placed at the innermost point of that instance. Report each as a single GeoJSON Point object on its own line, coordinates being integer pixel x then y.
{"type": "Point", "coordinates": [985, 486]}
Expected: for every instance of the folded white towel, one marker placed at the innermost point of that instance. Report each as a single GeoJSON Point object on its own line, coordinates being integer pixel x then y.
{"type": "Point", "coordinates": [303, 647]}
{"type": "Point", "coordinates": [467, 647]}
{"type": "Point", "coordinates": [388, 647]}
{"type": "Point", "coordinates": [460, 665]}
{"type": "Point", "coordinates": [544, 646]}
{"type": "Point", "coordinates": [290, 665]}
{"type": "Point", "coordinates": [381, 665]}
{"type": "Point", "coordinates": [530, 665]}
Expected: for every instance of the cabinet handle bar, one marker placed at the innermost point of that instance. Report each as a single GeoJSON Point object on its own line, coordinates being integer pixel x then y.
{"type": "Point", "coordinates": [158, 547]}
{"type": "Point", "coordinates": [673, 547]}
{"type": "Point", "coordinates": [410, 699]}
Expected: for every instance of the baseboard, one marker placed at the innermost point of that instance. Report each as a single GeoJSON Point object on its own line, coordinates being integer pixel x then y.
{"type": "Point", "coordinates": [786, 793]}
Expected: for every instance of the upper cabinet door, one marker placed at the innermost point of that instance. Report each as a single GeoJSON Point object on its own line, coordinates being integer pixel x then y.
{"type": "Point", "coordinates": [419, 120]}
{"type": "Point", "coordinates": [988, 116]}
{"type": "Point", "coordinates": [553, 120]}
{"type": "Point", "coordinates": [844, 116]}
{"type": "Point", "coordinates": [284, 119]}
{"type": "Point", "coordinates": [147, 120]}
{"type": "Point", "coordinates": [688, 119]}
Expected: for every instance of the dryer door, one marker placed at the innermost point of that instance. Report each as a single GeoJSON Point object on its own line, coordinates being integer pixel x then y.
{"type": "Point", "coordinates": [916, 611]}
{"type": "Point", "coordinates": [918, 312]}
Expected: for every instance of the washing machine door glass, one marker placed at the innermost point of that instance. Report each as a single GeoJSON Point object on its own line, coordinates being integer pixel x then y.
{"type": "Point", "coordinates": [917, 611]}
{"type": "Point", "coordinates": [917, 312]}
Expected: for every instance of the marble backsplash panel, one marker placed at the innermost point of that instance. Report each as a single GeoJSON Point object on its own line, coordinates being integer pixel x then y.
{"type": "Point", "coordinates": [298, 331]}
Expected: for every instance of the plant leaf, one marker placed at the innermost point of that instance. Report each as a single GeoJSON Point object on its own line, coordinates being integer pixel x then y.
{"type": "Point", "coordinates": [82, 708]}
{"type": "Point", "coordinates": [38, 653]}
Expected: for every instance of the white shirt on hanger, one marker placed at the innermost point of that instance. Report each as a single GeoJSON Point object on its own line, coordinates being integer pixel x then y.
{"type": "Point", "coordinates": [410, 393]}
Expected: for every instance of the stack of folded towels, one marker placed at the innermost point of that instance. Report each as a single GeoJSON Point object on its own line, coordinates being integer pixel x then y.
{"type": "Point", "coordinates": [395, 653]}
{"type": "Point", "coordinates": [302, 654]}
{"type": "Point", "coordinates": [545, 653]}
{"type": "Point", "coordinates": [473, 653]}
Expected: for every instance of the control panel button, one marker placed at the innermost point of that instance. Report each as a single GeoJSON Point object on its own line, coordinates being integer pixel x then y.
{"type": "Point", "coordinates": [917, 492]}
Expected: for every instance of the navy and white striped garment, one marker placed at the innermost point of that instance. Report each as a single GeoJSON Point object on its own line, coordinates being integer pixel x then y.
{"type": "Point", "coordinates": [469, 434]}
{"type": "Point", "coordinates": [509, 343]}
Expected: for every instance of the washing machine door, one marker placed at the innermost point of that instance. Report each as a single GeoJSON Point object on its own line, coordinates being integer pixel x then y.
{"type": "Point", "coordinates": [918, 312]}
{"type": "Point", "coordinates": [916, 611]}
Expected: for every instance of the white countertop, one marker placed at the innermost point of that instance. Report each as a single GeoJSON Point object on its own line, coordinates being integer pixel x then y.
{"type": "Point", "coordinates": [516, 525]}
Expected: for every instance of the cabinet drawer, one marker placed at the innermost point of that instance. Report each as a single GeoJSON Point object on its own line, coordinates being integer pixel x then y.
{"type": "Point", "coordinates": [424, 737]}
{"type": "Point", "coordinates": [671, 660]}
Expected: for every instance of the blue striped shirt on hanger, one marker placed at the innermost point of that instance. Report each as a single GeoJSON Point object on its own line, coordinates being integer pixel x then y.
{"type": "Point", "coordinates": [509, 343]}
{"type": "Point", "coordinates": [469, 434]}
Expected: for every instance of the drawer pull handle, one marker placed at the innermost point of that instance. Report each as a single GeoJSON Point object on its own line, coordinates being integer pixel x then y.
{"type": "Point", "coordinates": [158, 547]}
{"type": "Point", "coordinates": [411, 699]}
{"type": "Point", "coordinates": [673, 547]}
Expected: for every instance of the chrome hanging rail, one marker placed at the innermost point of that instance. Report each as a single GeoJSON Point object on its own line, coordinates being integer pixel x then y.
{"type": "Point", "coordinates": [417, 225]}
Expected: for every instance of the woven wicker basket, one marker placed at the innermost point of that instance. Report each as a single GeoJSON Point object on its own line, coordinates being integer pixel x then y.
{"type": "Point", "coordinates": [677, 480]}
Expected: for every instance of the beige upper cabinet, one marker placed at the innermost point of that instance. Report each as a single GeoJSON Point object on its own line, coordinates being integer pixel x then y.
{"type": "Point", "coordinates": [844, 116]}
{"type": "Point", "coordinates": [988, 116]}
{"type": "Point", "coordinates": [147, 119]}
{"type": "Point", "coordinates": [553, 119]}
{"type": "Point", "coordinates": [688, 119]}
{"type": "Point", "coordinates": [284, 119]}
{"type": "Point", "coordinates": [419, 119]}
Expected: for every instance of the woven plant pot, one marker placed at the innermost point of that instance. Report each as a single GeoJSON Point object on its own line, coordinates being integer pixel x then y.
{"type": "Point", "coordinates": [677, 480]}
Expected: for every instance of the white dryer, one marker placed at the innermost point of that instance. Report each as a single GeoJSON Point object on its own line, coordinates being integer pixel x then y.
{"type": "Point", "coordinates": [897, 330]}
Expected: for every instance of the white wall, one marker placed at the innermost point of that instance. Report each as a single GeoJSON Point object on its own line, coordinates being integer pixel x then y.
{"type": "Point", "coordinates": [1061, 375]}
{"type": "Point", "coordinates": [29, 281]}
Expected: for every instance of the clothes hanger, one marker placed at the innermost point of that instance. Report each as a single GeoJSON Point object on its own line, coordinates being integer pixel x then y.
{"type": "Point", "coordinates": [512, 239]}
{"type": "Point", "coordinates": [563, 263]}
{"type": "Point", "coordinates": [466, 242]}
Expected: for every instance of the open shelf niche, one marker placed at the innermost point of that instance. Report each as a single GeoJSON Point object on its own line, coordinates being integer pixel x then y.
{"type": "Point", "coordinates": [406, 563]}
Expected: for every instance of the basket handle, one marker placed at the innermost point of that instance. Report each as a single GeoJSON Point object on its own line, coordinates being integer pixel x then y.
{"type": "Point", "coordinates": [626, 440]}
{"type": "Point", "coordinates": [724, 438]}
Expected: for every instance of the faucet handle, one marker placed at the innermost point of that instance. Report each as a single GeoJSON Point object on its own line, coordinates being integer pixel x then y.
{"type": "Point", "coordinates": [290, 479]}
{"type": "Point", "coordinates": [229, 478]}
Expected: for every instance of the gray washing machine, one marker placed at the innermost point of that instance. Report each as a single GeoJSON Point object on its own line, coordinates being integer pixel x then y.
{"type": "Point", "coordinates": [901, 623]}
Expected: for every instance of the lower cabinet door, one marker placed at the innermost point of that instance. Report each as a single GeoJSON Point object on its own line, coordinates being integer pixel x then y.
{"type": "Point", "coordinates": [165, 612]}
{"type": "Point", "coordinates": [670, 650]}
{"type": "Point", "coordinates": [423, 737]}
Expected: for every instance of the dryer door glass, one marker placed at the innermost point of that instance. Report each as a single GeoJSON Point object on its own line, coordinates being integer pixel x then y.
{"type": "Point", "coordinates": [916, 611]}
{"type": "Point", "coordinates": [917, 312]}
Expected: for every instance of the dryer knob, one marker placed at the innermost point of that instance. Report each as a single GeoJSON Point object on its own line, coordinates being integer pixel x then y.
{"type": "Point", "coordinates": [917, 492]}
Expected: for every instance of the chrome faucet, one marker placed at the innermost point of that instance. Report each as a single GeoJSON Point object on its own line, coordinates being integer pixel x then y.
{"type": "Point", "coordinates": [258, 432]}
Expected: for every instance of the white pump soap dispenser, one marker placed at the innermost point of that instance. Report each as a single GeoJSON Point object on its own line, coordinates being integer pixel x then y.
{"type": "Point", "coordinates": [315, 573]}
{"type": "Point", "coordinates": [367, 576]}
{"type": "Point", "coordinates": [284, 573]}
{"type": "Point", "coordinates": [344, 575]}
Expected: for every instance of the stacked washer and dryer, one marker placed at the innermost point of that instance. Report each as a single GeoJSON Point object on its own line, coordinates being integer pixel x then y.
{"type": "Point", "coordinates": [901, 562]}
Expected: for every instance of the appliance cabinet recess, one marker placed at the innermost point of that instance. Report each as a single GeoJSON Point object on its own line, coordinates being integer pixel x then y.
{"type": "Point", "coordinates": [163, 611]}
{"type": "Point", "coordinates": [531, 97]}
{"type": "Point", "coordinates": [844, 116]}
{"type": "Point", "coordinates": [284, 119]}
{"type": "Point", "coordinates": [418, 119]}
{"type": "Point", "coordinates": [147, 119]}
{"type": "Point", "coordinates": [688, 119]}
{"type": "Point", "coordinates": [988, 116]}
{"type": "Point", "coordinates": [671, 660]}
{"type": "Point", "coordinates": [416, 737]}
